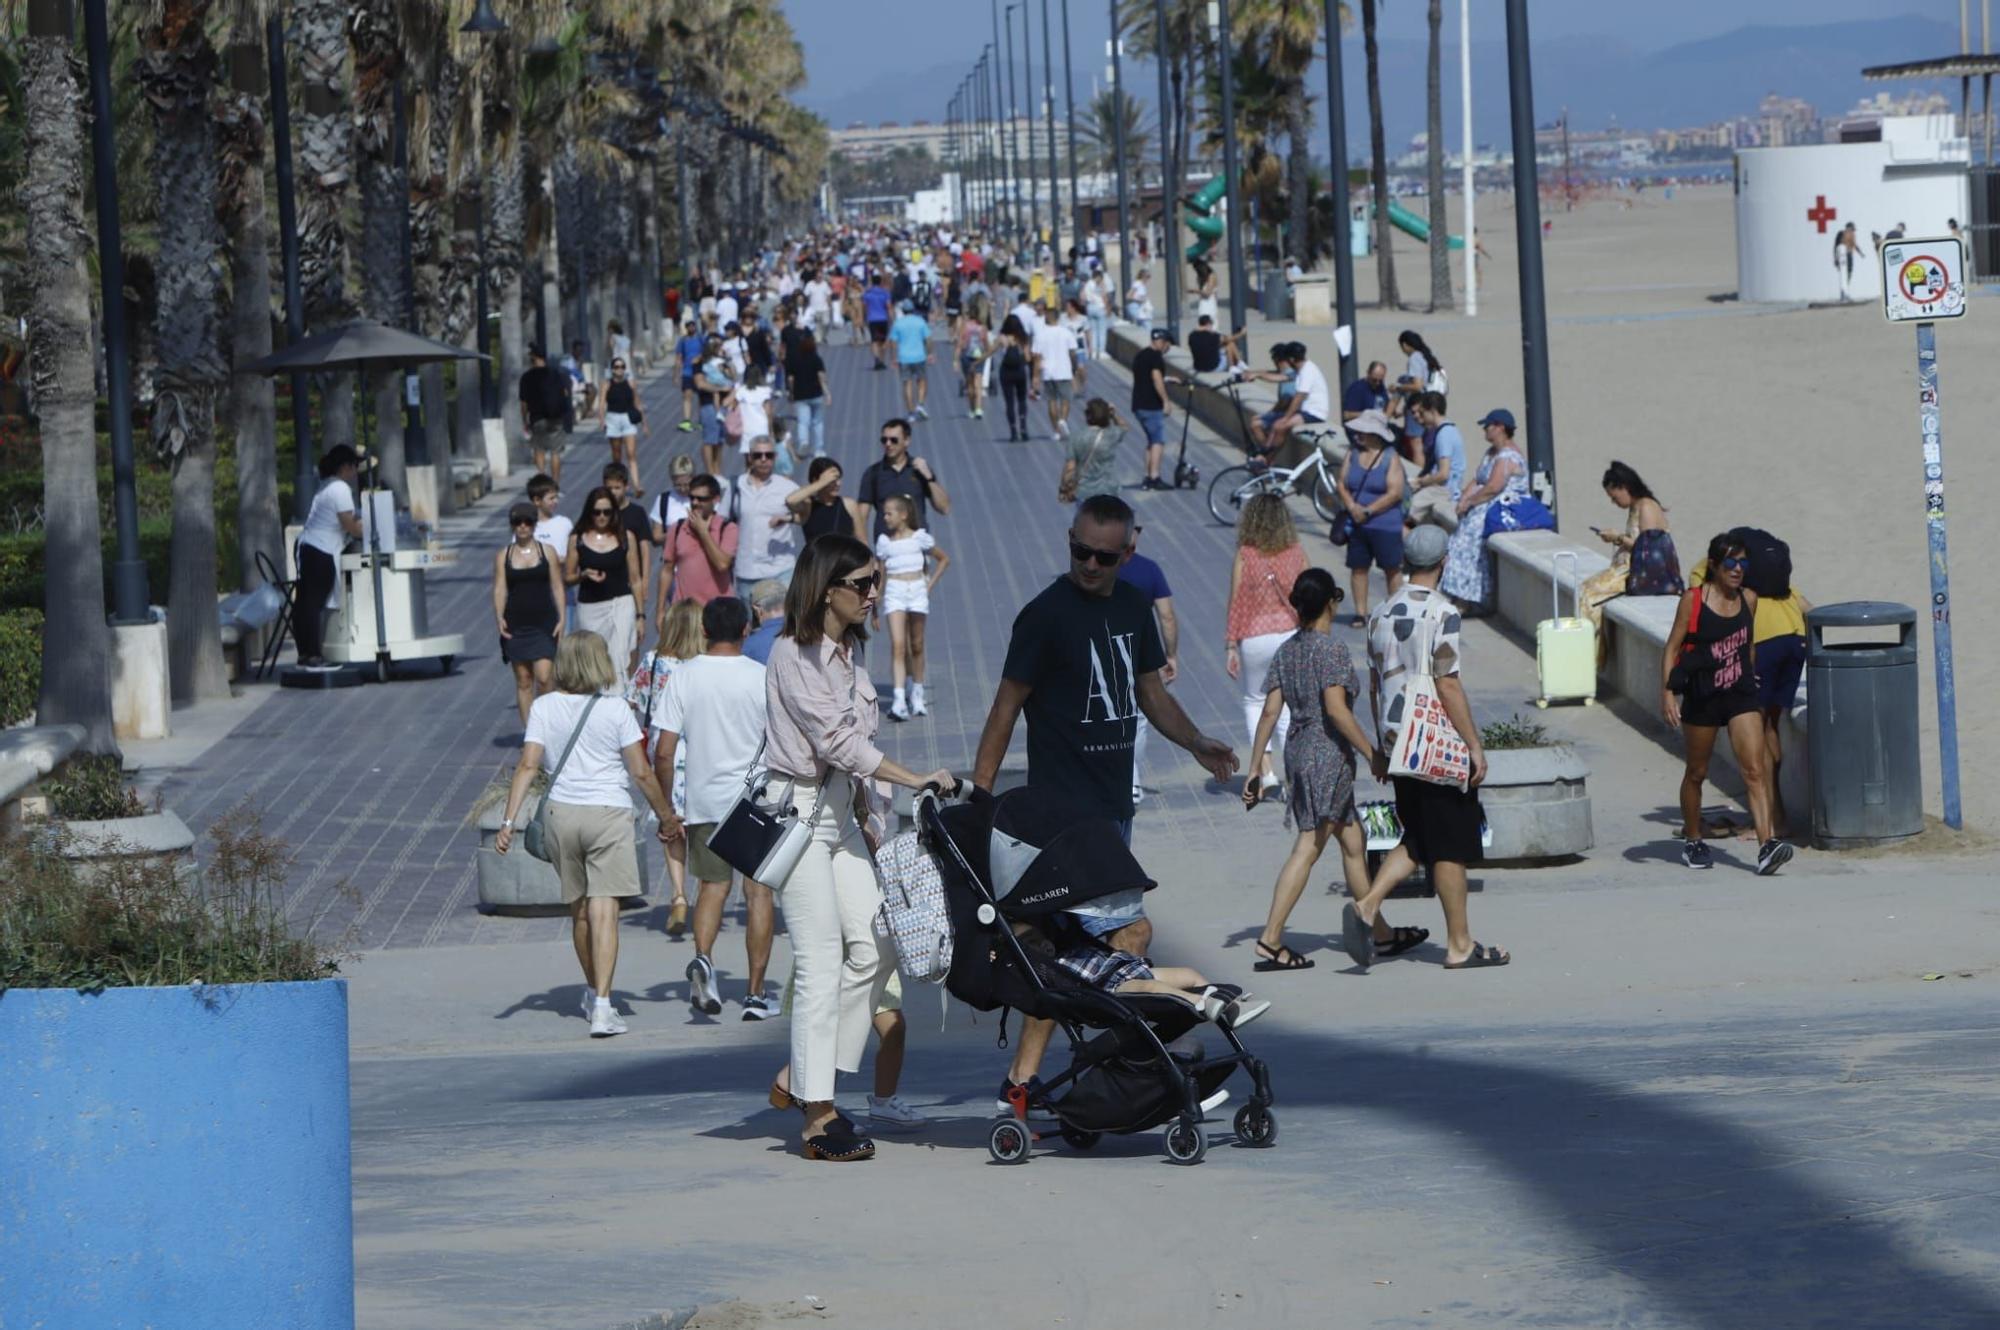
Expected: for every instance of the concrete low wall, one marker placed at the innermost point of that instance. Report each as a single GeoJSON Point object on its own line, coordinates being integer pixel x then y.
{"type": "Point", "coordinates": [1636, 629]}
{"type": "Point", "coordinates": [1228, 416]}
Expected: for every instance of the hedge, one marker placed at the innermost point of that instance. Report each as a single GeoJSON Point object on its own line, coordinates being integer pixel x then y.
{"type": "Point", "coordinates": [20, 664]}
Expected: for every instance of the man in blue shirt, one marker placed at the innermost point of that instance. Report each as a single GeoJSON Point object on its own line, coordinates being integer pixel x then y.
{"type": "Point", "coordinates": [875, 311]}
{"type": "Point", "coordinates": [1434, 493]}
{"type": "Point", "coordinates": [1145, 574]}
{"type": "Point", "coordinates": [1366, 394]}
{"type": "Point", "coordinates": [767, 603]}
{"type": "Point", "coordinates": [688, 351]}
{"type": "Point", "coordinates": [912, 335]}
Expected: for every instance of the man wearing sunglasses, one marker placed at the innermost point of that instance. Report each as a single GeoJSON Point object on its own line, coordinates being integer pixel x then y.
{"type": "Point", "coordinates": [898, 473]}
{"type": "Point", "coordinates": [768, 543]}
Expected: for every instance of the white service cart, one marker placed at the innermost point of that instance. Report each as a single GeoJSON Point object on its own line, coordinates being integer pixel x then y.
{"type": "Point", "coordinates": [383, 615]}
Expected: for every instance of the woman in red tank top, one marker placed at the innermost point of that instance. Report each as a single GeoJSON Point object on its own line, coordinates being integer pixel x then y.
{"type": "Point", "coordinates": [1269, 559]}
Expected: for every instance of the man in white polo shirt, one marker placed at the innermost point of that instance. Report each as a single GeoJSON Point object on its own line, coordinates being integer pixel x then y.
{"type": "Point", "coordinates": [1054, 350]}
{"type": "Point", "coordinates": [767, 532]}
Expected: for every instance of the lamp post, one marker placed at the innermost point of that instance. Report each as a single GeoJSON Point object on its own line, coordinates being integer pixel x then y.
{"type": "Point", "coordinates": [1218, 17]}
{"type": "Point", "coordinates": [416, 440]}
{"type": "Point", "coordinates": [1467, 181]}
{"type": "Point", "coordinates": [1069, 107]}
{"type": "Point", "coordinates": [1343, 249]}
{"type": "Point", "coordinates": [1004, 147]}
{"type": "Point", "coordinates": [1013, 119]}
{"type": "Point", "coordinates": [1115, 49]}
{"type": "Point", "coordinates": [129, 595]}
{"type": "Point", "coordinates": [305, 468]}
{"type": "Point", "coordinates": [1049, 120]}
{"type": "Point", "coordinates": [1170, 181]}
{"type": "Point", "coordinates": [1528, 239]}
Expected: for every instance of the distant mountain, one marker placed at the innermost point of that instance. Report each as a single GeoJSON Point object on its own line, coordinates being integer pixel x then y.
{"type": "Point", "coordinates": [1601, 80]}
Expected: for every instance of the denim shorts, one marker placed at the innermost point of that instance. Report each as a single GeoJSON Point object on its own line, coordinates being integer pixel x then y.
{"type": "Point", "coordinates": [1780, 662]}
{"type": "Point", "coordinates": [711, 424]}
{"type": "Point", "coordinates": [1383, 548]}
{"type": "Point", "coordinates": [1154, 423]}
{"type": "Point", "coordinates": [913, 369]}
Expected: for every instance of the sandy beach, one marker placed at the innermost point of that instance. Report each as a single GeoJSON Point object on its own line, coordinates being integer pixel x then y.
{"type": "Point", "coordinates": [1799, 420]}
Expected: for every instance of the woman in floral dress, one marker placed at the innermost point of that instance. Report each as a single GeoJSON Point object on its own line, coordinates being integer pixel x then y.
{"type": "Point", "coordinates": [1502, 475]}
{"type": "Point", "coordinates": [1313, 676]}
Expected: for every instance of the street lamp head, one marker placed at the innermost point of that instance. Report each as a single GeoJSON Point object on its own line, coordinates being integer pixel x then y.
{"type": "Point", "coordinates": [484, 22]}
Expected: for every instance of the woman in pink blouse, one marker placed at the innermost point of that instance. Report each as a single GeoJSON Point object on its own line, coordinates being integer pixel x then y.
{"type": "Point", "coordinates": [1269, 559]}
{"type": "Point", "coordinates": [820, 733]}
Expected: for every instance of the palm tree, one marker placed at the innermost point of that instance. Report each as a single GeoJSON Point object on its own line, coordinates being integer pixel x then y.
{"type": "Point", "coordinates": [253, 412]}
{"type": "Point", "coordinates": [1378, 168]}
{"type": "Point", "coordinates": [325, 174]}
{"type": "Point", "coordinates": [1440, 241]}
{"type": "Point", "coordinates": [76, 644]}
{"type": "Point", "coordinates": [177, 71]}
{"type": "Point", "coordinates": [1284, 37]}
{"type": "Point", "coordinates": [1100, 135]}
{"type": "Point", "coordinates": [376, 32]}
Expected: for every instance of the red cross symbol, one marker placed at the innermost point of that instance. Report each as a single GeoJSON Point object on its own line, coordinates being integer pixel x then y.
{"type": "Point", "coordinates": [1821, 214]}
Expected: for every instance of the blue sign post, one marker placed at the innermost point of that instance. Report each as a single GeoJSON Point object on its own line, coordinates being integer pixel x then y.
{"type": "Point", "coordinates": [1922, 281]}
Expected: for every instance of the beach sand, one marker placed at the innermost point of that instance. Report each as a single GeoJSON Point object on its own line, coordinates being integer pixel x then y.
{"type": "Point", "coordinates": [1799, 420]}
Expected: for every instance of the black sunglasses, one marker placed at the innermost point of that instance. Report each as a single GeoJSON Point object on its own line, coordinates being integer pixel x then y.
{"type": "Point", "coordinates": [706, 496]}
{"type": "Point", "coordinates": [1083, 554]}
{"type": "Point", "coordinates": [861, 586]}
{"type": "Point", "coordinates": [602, 511]}
{"type": "Point", "coordinates": [762, 457]}
{"type": "Point", "coordinates": [891, 438]}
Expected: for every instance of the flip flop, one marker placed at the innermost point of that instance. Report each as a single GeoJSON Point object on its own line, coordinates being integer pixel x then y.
{"type": "Point", "coordinates": [1282, 958]}
{"type": "Point", "coordinates": [1401, 940]}
{"type": "Point", "coordinates": [1356, 935]}
{"type": "Point", "coordinates": [1481, 957]}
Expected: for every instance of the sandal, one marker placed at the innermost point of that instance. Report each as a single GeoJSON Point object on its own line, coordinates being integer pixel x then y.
{"type": "Point", "coordinates": [1280, 957]}
{"type": "Point", "coordinates": [1357, 621]}
{"type": "Point", "coordinates": [1481, 957]}
{"type": "Point", "coordinates": [780, 1097]}
{"type": "Point", "coordinates": [1401, 940]}
{"type": "Point", "coordinates": [677, 920]}
{"type": "Point", "coordinates": [1357, 936]}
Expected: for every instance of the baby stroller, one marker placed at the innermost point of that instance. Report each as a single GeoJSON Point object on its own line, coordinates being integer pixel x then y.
{"type": "Point", "coordinates": [1028, 856]}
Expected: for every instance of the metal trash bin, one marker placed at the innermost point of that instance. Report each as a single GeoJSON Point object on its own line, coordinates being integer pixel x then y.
{"type": "Point", "coordinates": [1277, 305]}
{"type": "Point", "coordinates": [1863, 757]}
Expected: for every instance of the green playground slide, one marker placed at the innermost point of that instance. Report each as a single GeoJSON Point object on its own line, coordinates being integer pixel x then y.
{"type": "Point", "coordinates": [1410, 224]}
{"type": "Point", "coordinates": [1201, 218]}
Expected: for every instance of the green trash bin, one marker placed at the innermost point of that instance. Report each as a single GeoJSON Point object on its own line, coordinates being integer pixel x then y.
{"type": "Point", "coordinates": [1863, 759]}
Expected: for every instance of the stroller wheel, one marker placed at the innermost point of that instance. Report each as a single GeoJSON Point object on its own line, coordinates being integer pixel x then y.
{"type": "Point", "coordinates": [1009, 1142]}
{"type": "Point", "coordinates": [1186, 1142]}
{"type": "Point", "coordinates": [1079, 1139]}
{"type": "Point", "coordinates": [1256, 1126]}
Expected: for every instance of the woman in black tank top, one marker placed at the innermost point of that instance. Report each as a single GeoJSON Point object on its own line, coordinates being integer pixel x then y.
{"type": "Point", "coordinates": [527, 607]}
{"type": "Point", "coordinates": [603, 564]}
{"type": "Point", "coordinates": [820, 506]}
{"type": "Point", "coordinates": [1710, 685]}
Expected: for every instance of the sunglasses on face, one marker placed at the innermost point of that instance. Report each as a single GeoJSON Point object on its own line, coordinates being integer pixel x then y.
{"type": "Point", "coordinates": [762, 457]}
{"type": "Point", "coordinates": [602, 511]}
{"type": "Point", "coordinates": [892, 438]}
{"type": "Point", "coordinates": [863, 586]}
{"type": "Point", "coordinates": [1732, 564]}
{"type": "Point", "coordinates": [1084, 554]}
{"type": "Point", "coordinates": [524, 522]}
{"type": "Point", "coordinates": [706, 496]}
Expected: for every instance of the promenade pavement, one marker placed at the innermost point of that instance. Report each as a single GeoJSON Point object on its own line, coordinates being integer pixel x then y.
{"type": "Point", "coordinates": [1692, 1101]}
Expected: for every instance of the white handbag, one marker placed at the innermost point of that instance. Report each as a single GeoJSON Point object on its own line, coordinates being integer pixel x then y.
{"type": "Point", "coordinates": [1427, 745]}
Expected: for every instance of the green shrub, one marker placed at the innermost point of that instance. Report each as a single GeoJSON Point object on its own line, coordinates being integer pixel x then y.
{"type": "Point", "coordinates": [124, 923]}
{"type": "Point", "coordinates": [1517, 731]}
{"type": "Point", "coordinates": [92, 788]}
{"type": "Point", "coordinates": [20, 664]}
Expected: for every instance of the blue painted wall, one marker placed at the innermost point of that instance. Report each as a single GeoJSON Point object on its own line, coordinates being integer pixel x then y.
{"type": "Point", "coordinates": [175, 1158]}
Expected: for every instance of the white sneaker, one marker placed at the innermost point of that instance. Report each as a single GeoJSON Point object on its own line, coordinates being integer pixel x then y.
{"type": "Point", "coordinates": [589, 1001]}
{"type": "Point", "coordinates": [892, 1114]}
{"type": "Point", "coordinates": [701, 987]}
{"type": "Point", "coordinates": [917, 706]}
{"type": "Point", "coordinates": [897, 710]}
{"type": "Point", "coordinates": [757, 1007]}
{"type": "Point", "coordinates": [604, 1022]}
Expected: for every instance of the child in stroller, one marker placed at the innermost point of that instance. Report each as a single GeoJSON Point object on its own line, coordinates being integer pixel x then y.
{"type": "Point", "coordinates": [1093, 962]}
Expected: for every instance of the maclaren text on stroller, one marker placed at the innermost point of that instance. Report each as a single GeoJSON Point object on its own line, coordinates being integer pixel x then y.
{"type": "Point", "coordinates": [1029, 857]}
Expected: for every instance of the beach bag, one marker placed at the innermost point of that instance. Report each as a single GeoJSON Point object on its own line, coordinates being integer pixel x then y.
{"type": "Point", "coordinates": [1655, 568]}
{"type": "Point", "coordinates": [1427, 745]}
{"type": "Point", "coordinates": [536, 837]}
{"type": "Point", "coordinates": [913, 912]}
{"type": "Point", "coordinates": [1518, 512]}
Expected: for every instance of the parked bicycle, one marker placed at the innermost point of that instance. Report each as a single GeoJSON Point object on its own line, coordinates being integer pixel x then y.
{"type": "Point", "coordinates": [1314, 477]}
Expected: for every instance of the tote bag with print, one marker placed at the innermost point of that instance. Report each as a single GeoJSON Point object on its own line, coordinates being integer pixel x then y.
{"type": "Point", "coordinates": [1427, 745]}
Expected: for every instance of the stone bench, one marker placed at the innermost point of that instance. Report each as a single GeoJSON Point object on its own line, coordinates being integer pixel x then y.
{"type": "Point", "coordinates": [471, 479]}
{"type": "Point", "coordinates": [26, 755]}
{"type": "Point", "coordinates": [1636, 630]}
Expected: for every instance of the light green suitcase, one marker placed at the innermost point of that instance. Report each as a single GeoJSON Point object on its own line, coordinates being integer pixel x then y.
{"type": "Point", "coordinates": [1565, 649]}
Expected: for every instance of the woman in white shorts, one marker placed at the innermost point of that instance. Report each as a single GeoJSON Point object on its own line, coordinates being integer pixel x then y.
{"type": "Point", "coordinates": [619, 409]}
{"type": "Point", "coordinates": [907, 553]}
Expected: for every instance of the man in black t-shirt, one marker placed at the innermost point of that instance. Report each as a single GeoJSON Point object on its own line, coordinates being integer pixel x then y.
{"type": "Point", "coordinates": [898, 475]}
{"type": "Point", "coordinates": [1083, 664]}
{"type": "Point", "coordinates": [544, 398]}
{"type": "Point", "coordinates": [1150, 404]}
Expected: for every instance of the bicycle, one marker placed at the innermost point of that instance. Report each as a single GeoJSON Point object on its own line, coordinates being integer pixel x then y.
{"type": "Point", "coordinates": [1235, 486]}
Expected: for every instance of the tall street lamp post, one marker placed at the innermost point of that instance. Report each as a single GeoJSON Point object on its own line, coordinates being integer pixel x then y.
{"type": "Point", "coordinates": [305, 456]}
{"type": "Point", "coordinates": [1049, 121]}
{"type": "Point", "coordinates": [1115, 49]}
{"type": "Point", "coordinates": [1528, 239]}
{"type": "Point", "coordinates": [1069, 107]}
{"type": "Point", "coordinates": [1170, 180]}
{"type": "Point", "coordinates": [1343, 249]}
{"type": "Point", "coordinates": [1218, 16]}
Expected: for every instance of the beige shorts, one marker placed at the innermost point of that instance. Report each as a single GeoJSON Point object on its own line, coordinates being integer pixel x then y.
{"type": "Point", "coordinates": [1435, 505]}
{"type": "Point", "coordinates": [704, 863]}
{"type": "Point", "coordinates": [595, 854]}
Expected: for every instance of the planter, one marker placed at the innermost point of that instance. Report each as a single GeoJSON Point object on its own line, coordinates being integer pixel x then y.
{"type": "Point", "coordinates": [158, 837]}
{"type": "Point", "coordinates": [1537, 803]}
{"type": "Point", "coordinates": [176, 1157]}
{"type": "Point", "coordinates": [518, 881]}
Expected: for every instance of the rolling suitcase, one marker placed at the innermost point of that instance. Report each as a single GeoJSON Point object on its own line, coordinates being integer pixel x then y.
{"type": "Point", "coordinates": [1565, 649]}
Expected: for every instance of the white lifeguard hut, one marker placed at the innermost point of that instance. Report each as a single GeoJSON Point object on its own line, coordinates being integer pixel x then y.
{"type": "Point", "coordinates": [1792, 204]}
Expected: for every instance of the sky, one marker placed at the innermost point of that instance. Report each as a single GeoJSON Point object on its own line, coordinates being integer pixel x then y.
{"type": "Point", "coordinates": [853, 46]}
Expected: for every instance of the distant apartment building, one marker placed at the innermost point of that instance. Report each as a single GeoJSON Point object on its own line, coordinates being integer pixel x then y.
{"type": "Point", "coordinates": [864, 143]}
{"type": "Point", "coordinates": [1788, 121]}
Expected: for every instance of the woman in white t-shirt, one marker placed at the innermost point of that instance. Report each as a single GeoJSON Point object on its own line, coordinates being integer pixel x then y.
{"type": "Point", "coordinates": [330, 524]}
{"type": "Point", "coordinates": [585, 729]}
{"type": "Point", "coordinates": [753, 399]}
{"type": "Point", "coordinates": [907, 552]}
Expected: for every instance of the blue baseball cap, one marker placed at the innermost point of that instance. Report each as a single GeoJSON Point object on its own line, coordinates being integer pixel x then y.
{"type": "Point", "coordinates": [1497, 416]}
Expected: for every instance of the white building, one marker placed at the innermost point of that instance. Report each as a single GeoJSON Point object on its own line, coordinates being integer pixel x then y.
{"type": "Point", "coordinates": [1792, 203]}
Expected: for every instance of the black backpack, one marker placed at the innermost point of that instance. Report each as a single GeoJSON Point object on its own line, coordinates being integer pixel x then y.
{"type": "Point", "coordinates": [1011, 360]}
{"type": "Point", "coordinates": [1770, 572]}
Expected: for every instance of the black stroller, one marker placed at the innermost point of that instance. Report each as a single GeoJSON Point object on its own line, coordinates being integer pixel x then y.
{"type": "Point", "coordinates": [1028, 856]}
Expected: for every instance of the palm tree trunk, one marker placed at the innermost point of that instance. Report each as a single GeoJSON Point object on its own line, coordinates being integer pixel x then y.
{"type": "Point", "coordinates": [1298, 175]}
{"type": "Point", "coordinates": [1440, 241]}
{"type": "Point", "coordinates": [76, 643]}
{"type": "Point", "coordinates": [384, 197]}
{"type": "Point", "coordinates": [177, 72]}
{"type": "Point", "coordinates": [1378, 168]}
{"type": "Point", "coordinates": [326, 170]}
{"type": "Point", "coordinates": [650, 313]}
{"type": "Point", "coordinates": [252, 405]}
{"type": "Point", "coordinates": [506, 227]}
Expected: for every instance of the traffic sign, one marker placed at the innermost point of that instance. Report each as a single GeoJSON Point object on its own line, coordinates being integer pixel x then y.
{"type": "Point", "coordinates": [1923, 280]}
